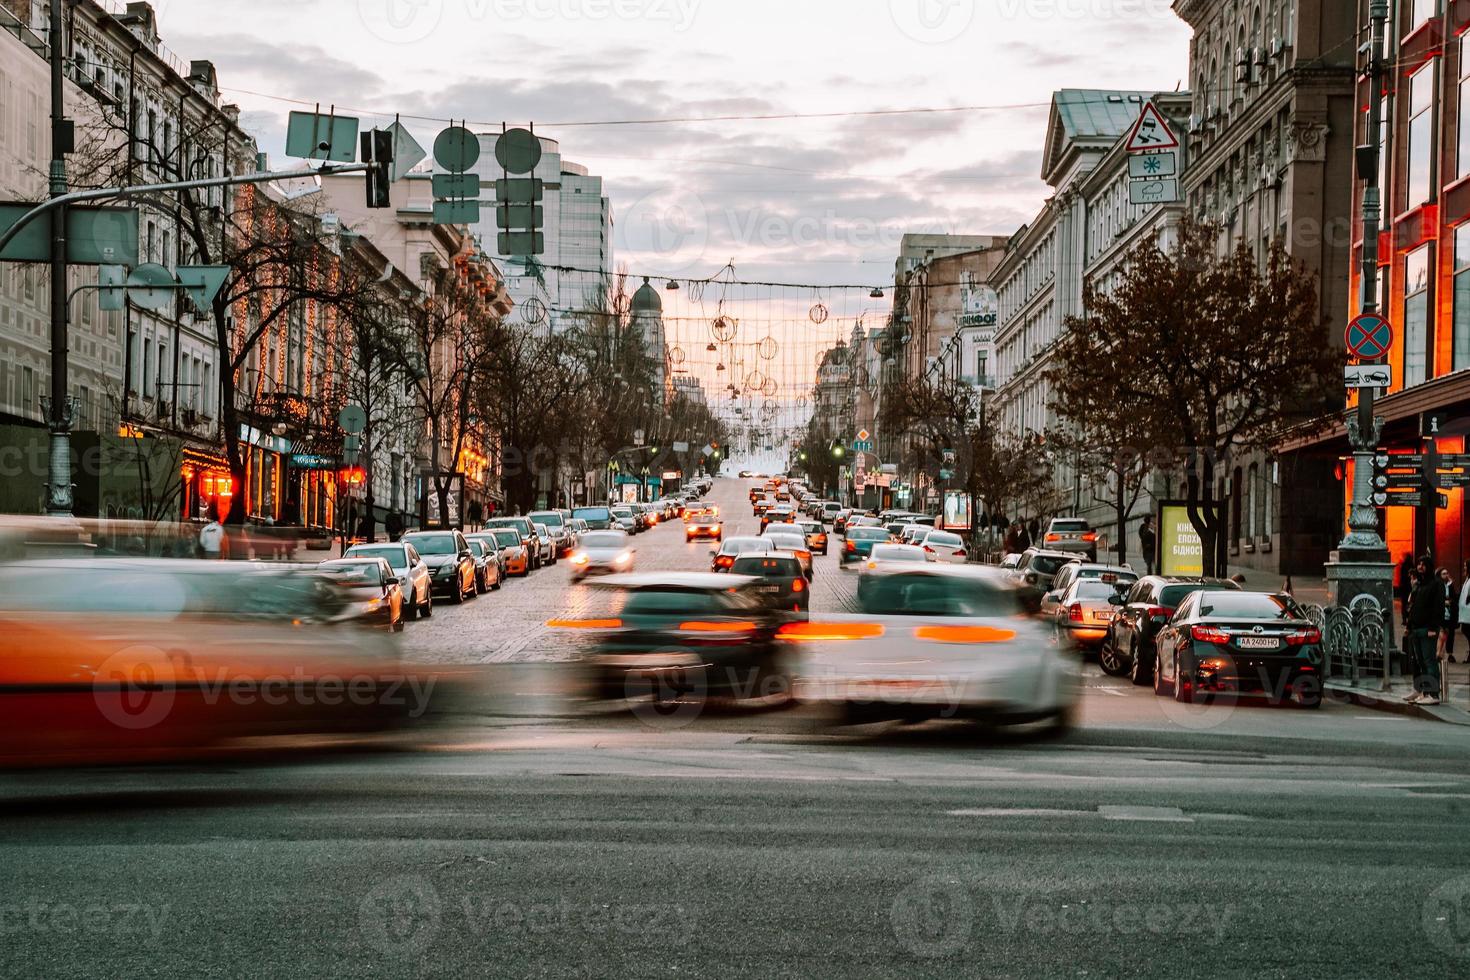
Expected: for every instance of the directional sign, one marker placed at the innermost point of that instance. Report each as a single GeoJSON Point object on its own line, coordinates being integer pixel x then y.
{"type": "Point", "coordinates": [456, 212]}
{"type": "Point", "coordinates": [1165, 190]}
{"type": "Point", "coordinates": [1369, 336]}
{"type": "Point", "coordinates": [407, 153]}
{"type": "Point", "coordinates": [1415, 499]}
{"type": "Point", "coordinates": [1367, 375]}
{"type": "Point", "coordinates": [94, 235]}
{"type": "Point", "coordinates": [314, 136]}
{"type": "Point", "coordinates": [1151, 132]}
{"type": "Point", "coordinates": [1164, 164]}
{"type": "Point", "coordinates": [519, 190]}
{"type": "Point", "coordinates": [520, 243]}
{"type": "Point", "coordinates": [1452, 481]}
{"type": "Point", "coordinates": [151, 286]}
{"type": "Point", "coordinates": [202, 283]}
{"type": "Point", "coordinates": [456, 185]}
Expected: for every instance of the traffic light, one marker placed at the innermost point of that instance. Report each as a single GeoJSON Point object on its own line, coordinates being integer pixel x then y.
{"type": "Point", "coordinates": [838, 452]}
{"type": "Point", "coordinates": [377, 150]}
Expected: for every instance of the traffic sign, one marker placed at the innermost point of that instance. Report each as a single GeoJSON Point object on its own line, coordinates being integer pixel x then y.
{"type": "Point", "coordinates": [202, 283]}
{"type": "Point", "coordinates": [151, 286]}
{"type": "Point", "coordinates": [1414, 499]}
{"type": "Point", "coordinates": [1369, 336]}
{"type": "Point", "coordinates": [1367, 375]}
{"type": "Point", "coordinates": [1164, 190]}
{"type": "Point", "coordinates": [352, 419]}
{"type": "Point", "coordinates": [457, 149]}
{"type": "Point", "coordinates": [1431, 424]}
{"type": "Point", "coordinates": [1151, 132]}
{"type": "Point", "coordinates": [864, 435]}
{"type": "Point", "coordinates": [1149, 165]}
{"type": "Point", "coordinates": [518, 151]}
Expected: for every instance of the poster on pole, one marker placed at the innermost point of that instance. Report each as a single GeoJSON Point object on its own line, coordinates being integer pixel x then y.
{"type": "Point", "coordinates": [1180, 551]}
{"type": "Point", "coordinates": [957, 515]}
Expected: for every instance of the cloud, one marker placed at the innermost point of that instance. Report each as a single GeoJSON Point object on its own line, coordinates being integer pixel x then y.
{"type": "Point", "coordinates": [298, 71]}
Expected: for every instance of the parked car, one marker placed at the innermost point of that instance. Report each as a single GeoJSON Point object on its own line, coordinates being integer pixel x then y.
{"type": "Point", "coordinates": [597, 518]}
{"type": "Point", "coordinates": [1118, 575]}
{"type": "Point", "coordinates": [487, 565]}
{"type": "Point", "coordinates": [1220, 641]}
{"type": "Point", "coordinates": [685, 636]}
{"type": "Point", "coordinates": [624, 519]}
{"type": "Point", "coordinates": [1072, 534]}
{"type": "Point", "coordinates": [371, 590]}
{"type": "Point", "coordinates": [783, 582]}
{"type": "Point", "coordinates": [515, 557]}
{"type": "Point", "coordinates": [524, 528]}
{"type": "Point", "coordinates": [447, 554]}
{"type": "Point", "coordinates": [546, 543]}
{"type": "Point", "coordinates": [730, 548]}
{"type": "Point", "coordinates": [414, 580]}
{"type": "Point", "coordinates": [602, 553]}
{"type": "Point", "coordinates": [555, 521]}
{"type": "Point", "coordinates": [1128, 647]}
{"type": "Point", "coordinates": [937, 641]}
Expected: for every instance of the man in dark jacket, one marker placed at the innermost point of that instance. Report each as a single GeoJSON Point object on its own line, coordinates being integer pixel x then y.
{"type": "Point", "coordinates": [1422, 622]}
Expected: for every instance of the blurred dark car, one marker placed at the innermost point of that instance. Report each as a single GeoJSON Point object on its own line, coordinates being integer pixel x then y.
{"type": "Point", "coordinates": [448, 556]}
{"type": "Point", "coordinates": [1128, 647]}
{"type": "Point", "coordinates": [783, 581]}
{"type": "Point", "coordinates": [371, 590]}
{"type": "Point", "coordinates": [685, 635]}
{"type": "Point", "coordinates": [597, 518]}
{"type": "Point", "coordinates": [1220, 642]}
{"type": "Point", "coordinates": [1034, 573]}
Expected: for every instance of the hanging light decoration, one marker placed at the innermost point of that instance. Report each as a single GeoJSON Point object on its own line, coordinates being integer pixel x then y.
{"type": "Point", "coordinates": [672, 286]}
{"type": "Point", "coordinates": [720, 366]}
{"type": "Point", "coordinates": [711, 347]}
{"type": "Point", "coordinates": [876, 293]}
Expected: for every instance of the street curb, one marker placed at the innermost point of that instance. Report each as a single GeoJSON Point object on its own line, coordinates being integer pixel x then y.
{"type": "Point", "coordinates": [1393, 704]}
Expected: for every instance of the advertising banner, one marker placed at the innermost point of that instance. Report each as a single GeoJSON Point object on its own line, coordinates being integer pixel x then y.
{"type": "Point", "coordinates": [957, 515]}
{"type": "Point", "coordinates": [1180, 551]}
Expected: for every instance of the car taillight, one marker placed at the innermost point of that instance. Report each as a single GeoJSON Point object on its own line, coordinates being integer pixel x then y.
{"type": "Point", "coordinates": [731, 627]}
{"type": "Point", "coordinates": [851, 546]}
{"type": "Point", "coordinates": [960, 553]}
{"type": "Point", "coordinates": [1298, 638]}
{"type": "Point", "coordinates": [1209, 634]}
{"type": "Point", "coordinates": [1074, 612]}
{"type": "Point", "coordinates": [584, 624]}
{"type": "Point", "coordinates": [724, 561]}
{"type": "Point", "coordinates": [1090, 536]}
{"type": "Point", "coordinates": [929, 549]}
{"type": "Point", "coordinates": [815, 632]}
{"type": "Point", "coordinates": [798, 586]}
{"type": "Point", "coordinates": [1053, 537]}
{"type": "Point", "coordinates": [1155, 612]}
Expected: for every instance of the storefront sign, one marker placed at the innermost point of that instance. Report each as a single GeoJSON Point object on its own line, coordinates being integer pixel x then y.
{"type": "Point", "coordinates": [309, 461]}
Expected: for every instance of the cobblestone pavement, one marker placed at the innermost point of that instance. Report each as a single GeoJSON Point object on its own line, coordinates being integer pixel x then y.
{"type": "Point", "coordinates": [509, 626]}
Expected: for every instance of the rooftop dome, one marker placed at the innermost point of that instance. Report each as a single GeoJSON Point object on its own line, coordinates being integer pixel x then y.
{"type": "Point", "coordinates": [647, 300]}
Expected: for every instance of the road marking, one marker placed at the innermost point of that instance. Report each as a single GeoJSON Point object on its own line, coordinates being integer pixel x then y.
{"type": "Point", "coordinates": [1115, 692]}
{"type": "Point", "coordinates": [1154, 814]}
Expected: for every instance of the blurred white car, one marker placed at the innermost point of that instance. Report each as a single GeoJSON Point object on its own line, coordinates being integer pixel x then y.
{"type": "Point", "coordinates": [937, 641]}
{"type": "Point", "coordinates": [882, 553]}
{"type": "Point", "coordinates": [602, 553]}
{"type": "Point", "coordinates": [793, 541]}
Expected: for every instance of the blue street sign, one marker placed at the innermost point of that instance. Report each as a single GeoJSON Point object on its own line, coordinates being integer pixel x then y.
{"type": "Point", "coordinates": [1369, 337]}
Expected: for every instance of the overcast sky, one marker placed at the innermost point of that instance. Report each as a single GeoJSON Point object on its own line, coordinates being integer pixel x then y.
{"type": "Point", "coordinates": [808, 200]}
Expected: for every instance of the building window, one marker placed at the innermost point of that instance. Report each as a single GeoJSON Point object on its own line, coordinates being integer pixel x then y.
{"type": "Point", "coordinates": [1462, 156]}
{"type": "Point", "coordinates": [1421, 135]}
{"type": "Point", "coordinates": [1461, 355]}
{"type": "Point", "coordinates": [1416, 316]}
{"type": "Point", "coordinates": [1421, 11]}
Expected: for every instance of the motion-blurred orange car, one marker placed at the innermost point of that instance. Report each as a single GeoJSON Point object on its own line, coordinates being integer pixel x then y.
{"type": "Point", "coordinates": [113, 660]}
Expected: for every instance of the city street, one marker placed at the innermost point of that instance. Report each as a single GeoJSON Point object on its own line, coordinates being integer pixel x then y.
{"type": "Point", "coordinates": [538, 839]}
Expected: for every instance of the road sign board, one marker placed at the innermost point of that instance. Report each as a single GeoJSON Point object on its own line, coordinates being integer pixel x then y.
{"type": "Point", "coordinates": [864, 435]}
{"type": "Point", "coordinates": [1165, 164]}
{"type": "Point", "coordinates": [151, 286]}
{"type": "Point", "coordinates": [352, 419]}
{"type": "Point", "coordinates": [1367, 375]}
{"type": "Point", "coordinates": [94, 235]}
{"type": "Point", "coordinates": [457, 149]}
{"type": "Point", "coordinates": [520, 243]}
{"type": "Point", "coordinates": [1164, 190]}
{"type": "Point", "coordinates": [202, 283]}
{"type": "Point", "coordinates": [1452, 481]}
{"type": "Point", "coordinates": [862, 445]}
{"type": "Point", "coordinates": [1431, 424]}
{"type": "Point", "coordinates": [518, 151]}
{"type": "Point", "coordinates": [110, 298]}
{"type": "Point", "coordinates": [313, 136]}
{"type": "Point", "coordinates": [456, 185]}
{"type": "Point", "coordinates": [407, 153]}
{"type": "Point", "coordinates": [1369, 336]}
{"type": "Point", "coordinates": [519, 190]}
{"type": "Point", "coordinates": [1151, 132]}
{"type": "Point", "coordinates": [518, 217]}
{"type": "Point", "coordinates": [465, 212]}
{"type": "Point", "coordinates": [1413, 499]}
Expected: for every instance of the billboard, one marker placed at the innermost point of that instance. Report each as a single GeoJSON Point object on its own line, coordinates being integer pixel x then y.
{"type": "Point", "coordinates": [1180, 550]}
{"type": "Point", "coordinates": [957, 511]}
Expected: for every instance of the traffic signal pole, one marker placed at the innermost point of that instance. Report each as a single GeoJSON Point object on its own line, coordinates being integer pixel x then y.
{"type": "Point", "coordinates": [1361, 567]}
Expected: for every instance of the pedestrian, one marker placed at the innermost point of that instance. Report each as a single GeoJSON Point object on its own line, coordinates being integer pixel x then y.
{"type": "Point", "coordinates": [1033, 532]}
{"type": "Point", "coordinates": [1422, 624]}
{"type": "Point", "coordinates": [1024, 539]}
{"type": "Point", "coordinates": [212, 536]}
{"type": "Point", "coordinates": [1451, 609]}
{"type": "Point", "coordinates": [1404, 586]}
{"type": "Point", "coordinates": [394, 525]}
{"type": "Point", "coordinates": [1148, 540]}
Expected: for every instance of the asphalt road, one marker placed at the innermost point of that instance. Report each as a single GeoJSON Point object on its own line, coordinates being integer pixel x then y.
{"type": "Point", "coordinates": [533, 838]}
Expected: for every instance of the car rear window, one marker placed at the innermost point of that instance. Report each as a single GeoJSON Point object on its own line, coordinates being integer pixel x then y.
{"type": "Point", "coordinates": [507, 538]}
{"type": "Point", "coordinates": [867, 534]}
{"type": "Point", "coordinates": [1245, 605]}
{"type": "Point", "coordinates": [921, 594]}
{"type": "Point", "coordinates": [396, 555]}
{"type": "Point", "coordinates": [655, 601]}
{"type": "Point", "coordinates": [433, 544]}
{"type": "Point", "coordinates": [897, 552]}
{"type": "Point", "coordinates": [1046, 565]}
{"type": "Point", "coordinates": [739, 546]}
{"type": "Point", "coordinates": [593, 513]}
{"type": "Point", "coordinates": [1074, 525]}
{"type": "Point", "coordinates": [1093, 589]}
{"type": "Point", "coordinates": [944, 538]}
{"type": "Point", "coordinates": [771, 567]}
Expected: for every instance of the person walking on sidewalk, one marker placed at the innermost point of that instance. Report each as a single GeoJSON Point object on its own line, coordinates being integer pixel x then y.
{"type": "Point", "coordinates": [1451, 609]}
{"type": "Point", "coordinates": [1148, 540]}
{"type": "Point", "coordinates": [1422, 623]}
{"type": "Point", "coordinates": [1463, 607]}
{"type": "Point", "coordinates": [212, 537]}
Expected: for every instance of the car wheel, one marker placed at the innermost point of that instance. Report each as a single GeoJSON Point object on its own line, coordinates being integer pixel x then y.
{"type": "Point", "coordinates": [1110, 660]}
{"type": "Point", "coordinates": [427, 609]}
{"type": "Point", "coordinates": [499, 581]}
{"type": "Point", "coordinates": [1137, 672]}
{"type": "Point", "coordinates": [398, 624]}
{"type": "Point", "coordinates": [1183, 685]}
{"type": "Point", "coordinates": [1161, 689]}
{"type": "Point", "coordinates": [458, 595]}
{"type": "Point", "coordinates": [411, 609]}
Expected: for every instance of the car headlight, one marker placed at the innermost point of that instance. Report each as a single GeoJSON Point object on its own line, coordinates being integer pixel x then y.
{"type": "Point", "coordinates": [623, 559]}
{"type": "Point", "coordinates": [580, 559]}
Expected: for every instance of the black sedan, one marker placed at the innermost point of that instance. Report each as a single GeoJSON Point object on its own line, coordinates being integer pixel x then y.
{"type": "Point", "coordinates": [783, 582]}
{"type": "Point", "coordinates": [450, 561]}
{"type": "Point", "coordinates": [370, 589]}
{"type": "Point", "coordinates": [1128, 647]}
{"type": "Point", "coordinates": [1239, 643]}
{"type": "Point", "coordinates": [685, 636]}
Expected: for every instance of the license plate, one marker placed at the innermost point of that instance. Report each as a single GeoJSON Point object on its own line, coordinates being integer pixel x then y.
{"type": "Point", "coordinates": [770, 589]}
{"type": "Point", "coordinates": [1258, 642]}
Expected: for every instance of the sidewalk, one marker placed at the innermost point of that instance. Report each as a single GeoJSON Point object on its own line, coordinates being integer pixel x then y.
{"type": "Point", "coordinates": [1454, 711]}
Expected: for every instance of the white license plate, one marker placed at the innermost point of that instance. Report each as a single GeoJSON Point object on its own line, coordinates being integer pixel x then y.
{"type": "Point", "coordinates": [1258, 642]}
{"type": "Point", "coordinates": [772, 589]}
